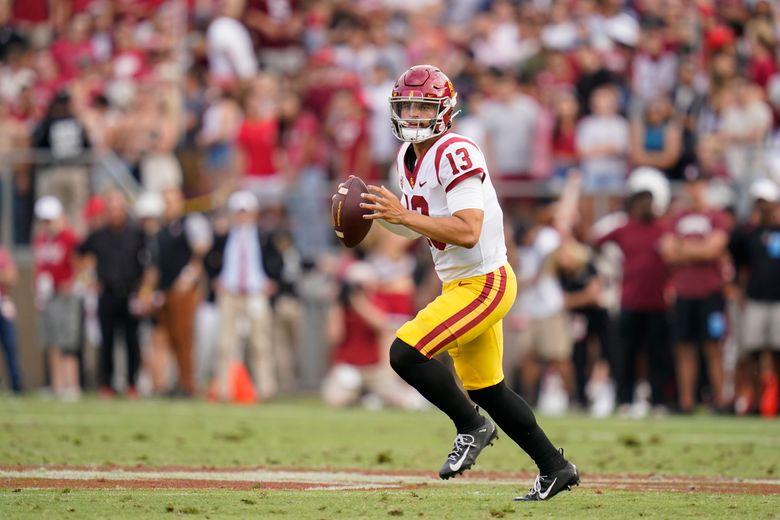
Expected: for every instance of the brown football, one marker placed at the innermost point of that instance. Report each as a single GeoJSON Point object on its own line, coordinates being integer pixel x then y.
{"type": "Point", "coordinates": [347, 215]}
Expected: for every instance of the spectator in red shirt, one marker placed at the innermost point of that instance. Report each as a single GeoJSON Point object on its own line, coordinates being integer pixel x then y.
{"type": "Point", "coordinates": [346, 125]}
{"type": "Point", "coordinates": [643, 316]}
{"type": "Point", "coordinates": [54, 247]}
{"type": "Point", "coordinates": [694, 247]}
{"type": "Point", "coordinates": [33, 17]}
{"type": "Point", "coordinates": [323, 80]}
{"type": "Point", "coordinates": [761, 65]}
{"type": "Point", "coordinates": [30, 12]}
{"type": "Point", "coordinates": [276, 27]}
{"type": "Point", "coordinates": [74, 51]}
{"type": "Point", "coordinates": [258, 141]}
{"type": "Point", "coordinates": [48, 82]}
{"type": "Point", "coordinates": [129, 62]}
{"type": "Point", "coordinates": [564, 148]}
{"type": "Point", "coordinates": [358, 367]}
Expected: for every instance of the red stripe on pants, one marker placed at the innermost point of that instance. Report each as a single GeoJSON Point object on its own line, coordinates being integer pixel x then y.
{"type": "Point", "coordinates": [474, 322]}
{"type": "Point", "coordinates": [452, 320]}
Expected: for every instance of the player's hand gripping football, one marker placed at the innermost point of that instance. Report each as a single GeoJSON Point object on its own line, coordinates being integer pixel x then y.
{"type": "Point", "coordinates": [384, 204]}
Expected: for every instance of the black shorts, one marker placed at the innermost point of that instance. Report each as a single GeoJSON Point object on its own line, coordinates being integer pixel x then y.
{"type": "Point", "coordinates": [592, 323]}
{"type": "Point", "coordinates": [697, 320]}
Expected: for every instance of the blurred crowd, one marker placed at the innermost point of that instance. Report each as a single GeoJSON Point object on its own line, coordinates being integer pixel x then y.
{"type": "Point", "coordinates": [234, 118]}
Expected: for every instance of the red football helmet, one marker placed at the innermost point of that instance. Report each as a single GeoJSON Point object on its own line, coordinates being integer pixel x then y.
{"type": "Point", "coordinates": [421, 89]}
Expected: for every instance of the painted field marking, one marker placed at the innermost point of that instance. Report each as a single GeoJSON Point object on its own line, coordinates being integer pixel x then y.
{"type": "Point", "coordinates": [343, 480]}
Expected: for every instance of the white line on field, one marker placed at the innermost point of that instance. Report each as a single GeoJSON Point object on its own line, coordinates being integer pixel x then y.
{"type": "Point", "coordinates": [342, 479]}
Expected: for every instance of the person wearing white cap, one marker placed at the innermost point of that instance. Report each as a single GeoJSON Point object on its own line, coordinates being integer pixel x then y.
{"type": "Point", "coordinates": [755, 248]}
{"type": "Point", "coordinates": [54, 247]}
{"type": "Point", "coordinates": [250, 268]}
{"type": "Point", "coordinates": [643, 320]}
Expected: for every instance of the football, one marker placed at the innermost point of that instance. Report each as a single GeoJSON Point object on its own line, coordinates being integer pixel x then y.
{"type": "Point", "coordinates": [347, 215]}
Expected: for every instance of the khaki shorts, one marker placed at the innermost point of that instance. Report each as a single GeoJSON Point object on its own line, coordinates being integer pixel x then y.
{"type": "Point", "coordinates": [547, 338]}
{"type": "Point", "coordinates": [760, 326]}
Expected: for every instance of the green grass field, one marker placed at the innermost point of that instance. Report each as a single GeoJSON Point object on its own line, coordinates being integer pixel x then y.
{"type": "Point", "coordinates": [304, 435]}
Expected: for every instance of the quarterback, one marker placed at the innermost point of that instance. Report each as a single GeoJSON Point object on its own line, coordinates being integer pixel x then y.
{"type": "Point", "coordinates": [448, 198]}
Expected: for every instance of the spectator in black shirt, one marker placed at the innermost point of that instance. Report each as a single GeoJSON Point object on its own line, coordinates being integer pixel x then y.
{"type": "Point", "coordinates": [593, 75]}
{"type": "Point", "coordinates": [207, 323]}
{"type": "Point", "coordinates": [149, 208]}
{"type": "Point", "coordinates": [755, 249]}
{"type": "Point", "coordinates": [13, 43]}
{"type": "Point", "coordinates": [590, 327]}
{"type": "Point", "coordinates": [64, 135]}
{"type": "Point", "coordinates": [117, 250]}
{"type": "Point", "coordinates": [181, 244]}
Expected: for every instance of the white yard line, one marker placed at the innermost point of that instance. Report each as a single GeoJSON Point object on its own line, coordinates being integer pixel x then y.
{"type": "Point", "coordinates": [348, 479]}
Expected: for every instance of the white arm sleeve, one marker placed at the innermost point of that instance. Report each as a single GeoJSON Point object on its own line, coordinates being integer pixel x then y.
{"type": "Point", "coordinates": [398, 229]}
{"type": "Point", "coordinates": [466, 195]}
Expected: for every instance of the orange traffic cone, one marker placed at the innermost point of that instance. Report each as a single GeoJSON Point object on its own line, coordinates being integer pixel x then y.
{"type": "Point", "coordinates": [242, 388]}
{"type": "Point", "coordinates": [769, 397]}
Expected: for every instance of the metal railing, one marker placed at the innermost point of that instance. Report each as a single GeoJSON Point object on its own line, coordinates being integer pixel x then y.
{"type": "Point", "coordinates": [103, 168]}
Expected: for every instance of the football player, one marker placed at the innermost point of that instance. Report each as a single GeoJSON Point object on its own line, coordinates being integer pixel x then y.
{"type": "Point", "coordinates": [448, 198]}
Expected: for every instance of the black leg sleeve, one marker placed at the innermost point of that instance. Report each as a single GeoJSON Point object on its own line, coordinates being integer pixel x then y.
{"type": "Point", "coordinates": [436, 383]}
{"type": "Point", "coordinates": [516, 418]}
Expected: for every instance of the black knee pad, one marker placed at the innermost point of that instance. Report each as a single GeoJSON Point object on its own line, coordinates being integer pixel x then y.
{"type": "Point", "coordinates": [403, 355]}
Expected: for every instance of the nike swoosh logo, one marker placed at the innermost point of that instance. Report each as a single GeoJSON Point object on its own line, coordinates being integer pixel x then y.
{"type": "Point", "coordinates": [461, 284]}
{"type": "Point", "coordinates": [546, 493]}
{"type": "Point", "coordinates": [423, 183]}
{"type": "Point", "coordinates": [456, 467]}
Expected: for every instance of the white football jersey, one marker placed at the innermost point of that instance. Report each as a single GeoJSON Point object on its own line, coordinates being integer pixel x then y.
{"type": "Point", "coordinates": [450, 160]}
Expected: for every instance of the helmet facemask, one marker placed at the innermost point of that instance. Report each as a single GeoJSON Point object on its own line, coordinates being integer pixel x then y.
{"type": "Point", "coordinates": [416, 130]}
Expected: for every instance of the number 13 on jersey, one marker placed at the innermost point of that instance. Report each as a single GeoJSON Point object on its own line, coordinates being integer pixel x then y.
{"type": "Point", "coordinates": [418, 203]}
